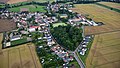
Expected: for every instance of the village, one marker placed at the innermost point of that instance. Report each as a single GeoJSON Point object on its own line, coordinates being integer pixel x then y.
{"type": "Point", "coordinates": [35, 27]}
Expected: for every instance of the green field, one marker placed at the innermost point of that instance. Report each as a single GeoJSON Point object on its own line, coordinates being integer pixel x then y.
{"type": "Point", "coordinates": [43, 0]}
{"type": "Point", "coordinates": [2, 5]}
{"type": "Point", "coordinates": [57, 24]}
{"type": "Point", "coordinates": [31, 8]}
{"type": "Point", "coordinates": [20, 41]}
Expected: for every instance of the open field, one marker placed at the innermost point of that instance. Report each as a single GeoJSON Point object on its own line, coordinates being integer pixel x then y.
{"type": "Point", "coordinates": [31, 8]}
{"type": "Point", "coordinates": [110, 18]}
{"type": "Point", "coordinates": [111, 4]}
{"type": "Point", "coordinates": [6, 25]}
{"type": "Point", "coordinates": [4, 1]}
{"type": "Point", "coordinates": [105, 51]}
{"type": "Point", "coordinates": [43, 0]}
{"type": "Point", "coordinates": [58, 24]}
{"type": "Point", "coordinates": [23, 56]}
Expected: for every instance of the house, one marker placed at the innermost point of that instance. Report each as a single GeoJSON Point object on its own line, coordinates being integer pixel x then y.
{"type": "Point", "coordinates": [16, 37]}
{"type": "Point", "coordinates": [63, 16]}
{"type": "Point", "coordinates": [24, 32]}
{"type": "Point", "coordinates": [33, 28]}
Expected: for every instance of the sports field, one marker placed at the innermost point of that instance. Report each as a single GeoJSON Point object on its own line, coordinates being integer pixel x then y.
{"type": "Point", "coordinates": [110, 18]}
{"type": "Point", "coordinates": [105, 51]}
{"type": "Point", "coordinates": [31, 8]}
{"type": "Point", "coordinates": [23, 56]}
{"type": "Point", "coordinates": [111, 4]}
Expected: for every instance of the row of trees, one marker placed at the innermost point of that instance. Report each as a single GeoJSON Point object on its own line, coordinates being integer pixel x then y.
{"type": "Point", "coordinates": [67, 36]}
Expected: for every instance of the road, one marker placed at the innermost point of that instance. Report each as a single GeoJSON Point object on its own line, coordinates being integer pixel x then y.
{"type": "Point", "coordinates": [80, 62]}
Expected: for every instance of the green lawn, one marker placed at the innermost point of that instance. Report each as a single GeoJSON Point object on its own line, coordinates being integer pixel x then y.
{"type": "Point", "coordinates": [31, 8]}
{"type": "Point", "coordinates": [2, 5]}
{"type": "Point", "coordinates": [57, 24]}
{"type": "Point", "coordinates": [17, 42]}
{"type": "Point", "coordinates": [43, 0]}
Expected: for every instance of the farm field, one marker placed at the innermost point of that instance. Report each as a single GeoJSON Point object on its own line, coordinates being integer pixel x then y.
{"type": "Point", "coordinates": [110, 18]}
{"type": "Point", "coordinates": [105, 51]}
{"type": "Point", "coordinates": [23, 56]}
{"type": "Point", "coordinates": [7, 25]}
{"type": "Point", "coordinates": [17, 1]}
{"type": "Point", "coordinates": [1, 37]}
{"type": "Point", "coordinates": [31, 8]}
{"type": "Point", "coordinates": [111, 4]}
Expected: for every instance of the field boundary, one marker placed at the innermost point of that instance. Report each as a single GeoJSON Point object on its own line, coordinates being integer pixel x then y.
{"type": "Point", "coordinates": [108, 7]}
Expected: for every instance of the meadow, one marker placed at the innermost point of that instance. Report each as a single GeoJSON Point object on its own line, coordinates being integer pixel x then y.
{"type": "Point", "coordinates": [31, 8]}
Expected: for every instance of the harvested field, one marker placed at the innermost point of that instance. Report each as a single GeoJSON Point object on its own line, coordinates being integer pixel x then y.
{"type": "Point", "coordinates": [105, 51]}
{"type": "Point", "coordinates": [110, 18]}
{"type": "Point", "coordinates": [17, 1]}
{"type": "Point", "coordinates": [4, 1]}
{"type": "Point", "coordinates": [23, 56]}
{"type": "Point", "coordinates": [111, 4]}
{"type": "Point", "coordinates": [1, 37]}
{"type": "Point", "coordinates": [7, 25]}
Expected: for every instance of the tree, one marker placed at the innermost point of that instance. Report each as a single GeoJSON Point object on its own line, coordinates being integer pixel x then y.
{"type": "Point", "coordinates": [67, 36]}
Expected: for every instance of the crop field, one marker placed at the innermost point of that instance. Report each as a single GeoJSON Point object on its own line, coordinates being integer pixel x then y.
{"type": "Point", "coordinates": [110, 18]}
{"type": "Point", "coordinates": [23, 56]}
{"type": "Point", "coordinates": [31, 8]}
{"type": "Point", "coordinates": [6, 25]}
{"type": "Point", "coordinates": [1, 37]}
{"type": "Point", "coordinates": [17, 1]}
{"type": "Point", "coordinates": [105, 51]}
{"type": "Point", "coordinates": [111, 4]}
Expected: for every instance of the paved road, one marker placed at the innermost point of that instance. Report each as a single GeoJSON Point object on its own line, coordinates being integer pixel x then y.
{"type": "Point", "coordinates": [79, 61]}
